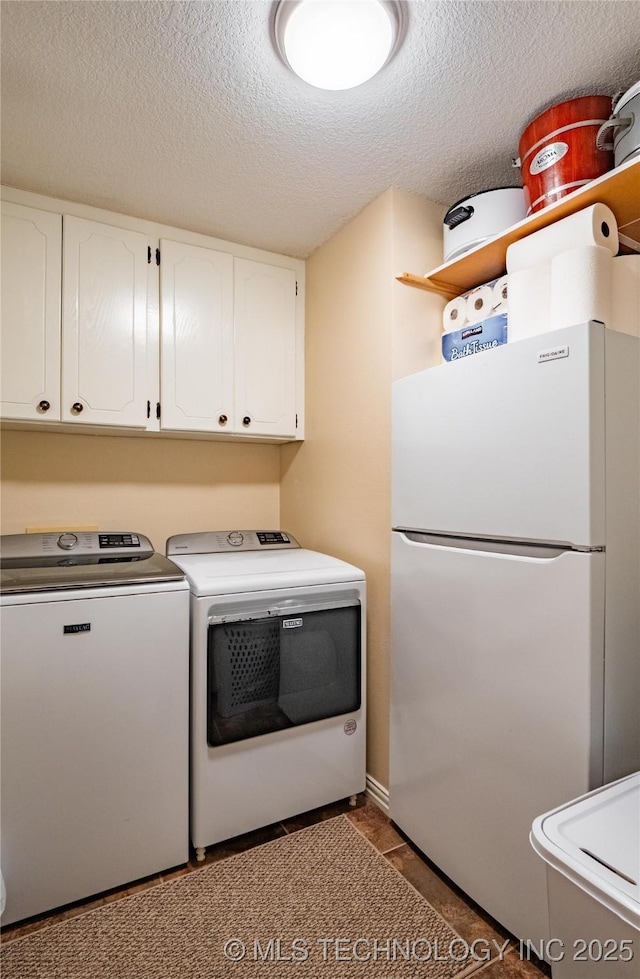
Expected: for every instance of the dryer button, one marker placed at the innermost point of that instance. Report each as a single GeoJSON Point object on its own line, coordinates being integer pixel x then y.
{"type": "Point", "coordinates": [235, 538]}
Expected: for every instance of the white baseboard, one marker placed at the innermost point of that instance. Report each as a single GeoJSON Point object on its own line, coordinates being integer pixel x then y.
{"type": "Point", "coordinates": [377, 793]}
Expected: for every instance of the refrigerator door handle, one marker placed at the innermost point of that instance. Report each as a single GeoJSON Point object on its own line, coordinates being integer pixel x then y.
{"type": "Point", "coordinates": [512, 548]}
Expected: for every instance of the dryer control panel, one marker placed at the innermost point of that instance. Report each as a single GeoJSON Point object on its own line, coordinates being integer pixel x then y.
{"type": "Point", "coordinates": [220, 541]}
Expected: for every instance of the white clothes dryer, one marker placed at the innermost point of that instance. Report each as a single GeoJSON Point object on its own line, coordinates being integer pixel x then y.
{"type": "Point", "coordinates": [277, 679]}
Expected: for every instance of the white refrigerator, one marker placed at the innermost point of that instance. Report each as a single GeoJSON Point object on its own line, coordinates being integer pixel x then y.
{"type": "Point", "coordinates": [515, 681]}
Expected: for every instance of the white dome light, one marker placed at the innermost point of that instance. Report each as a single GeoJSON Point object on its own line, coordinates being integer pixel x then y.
{"type": "Point", "coordinates": [336, 44]}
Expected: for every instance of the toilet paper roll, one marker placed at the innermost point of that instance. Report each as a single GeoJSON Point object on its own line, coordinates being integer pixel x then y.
{"type": "Point", "coordinates": [479, 304]}
{"type": "Point", "coordinates": [454, 314]}
{"type": "Point", "coordinates": [625, 294]}
{"type": "Point", "coordinates": [529, 302]}
{"type": "Point", "coordinates": [501, 295]}
{"type": "Point", "coordinates": [581, 286]}
{"type": "Point", "coordinates": [595, 225]}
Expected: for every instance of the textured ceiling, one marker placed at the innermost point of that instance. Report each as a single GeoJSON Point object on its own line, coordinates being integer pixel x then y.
{"type": "Point", "coordinates": [181, 112]}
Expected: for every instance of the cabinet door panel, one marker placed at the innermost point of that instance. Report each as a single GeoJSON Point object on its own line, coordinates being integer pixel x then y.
{"type": "Point", "coordinates": [104, 324]}
{"type": "Point", "coordinates": [265, 348]}
{"type": "Point", "coordinates": [31, 282]}
{"type": "Point", "coordinates": [196, 303]}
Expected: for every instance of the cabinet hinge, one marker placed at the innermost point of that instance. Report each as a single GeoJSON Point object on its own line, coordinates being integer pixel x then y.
{"type": "Point", "coordinates": [149, 255]}
{"type": "Point", "coordinates": [296, 288]}
{"type": "Point", "coordinates": [296, 421]}
{"type": "Point", "coordinates": [157, 409]}
{"type": "Point", "coordinates": [157, 256]}
{"type": "Point", "coordinates": [148, 409]}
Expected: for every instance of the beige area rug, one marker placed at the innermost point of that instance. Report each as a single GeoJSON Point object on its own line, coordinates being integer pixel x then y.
{"type": "Point", "coordinates": [321, 903]}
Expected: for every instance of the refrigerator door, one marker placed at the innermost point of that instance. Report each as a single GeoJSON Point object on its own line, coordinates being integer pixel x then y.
{"type": "Point", "coordinates": [506, 444]}
{"type": "Point", "coordinates": [496, 708]}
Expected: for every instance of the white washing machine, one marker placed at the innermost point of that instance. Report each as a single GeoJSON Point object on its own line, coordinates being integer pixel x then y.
{"type": "Point", "coordinates": [277, 679]}
{"type": "Point", "coordinates": [94, 716]}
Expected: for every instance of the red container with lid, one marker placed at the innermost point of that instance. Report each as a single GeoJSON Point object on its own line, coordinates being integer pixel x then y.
{"type": "Point", "coordinates": [558, 151]}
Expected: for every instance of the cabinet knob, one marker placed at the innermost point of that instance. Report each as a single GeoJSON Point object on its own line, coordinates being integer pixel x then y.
{"type": "Point", "coordinates": [44, 406]}
{"type": "Point", "coordinates": [77, 408]}
{"type": "Point", "coordinates": [246, 421]}
{"type": "Point", "coordinates": [222, 420]}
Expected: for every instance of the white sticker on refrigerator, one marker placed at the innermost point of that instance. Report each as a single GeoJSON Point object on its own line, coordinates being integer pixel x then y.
{"type": "Point", "coordinates": [555, 353]}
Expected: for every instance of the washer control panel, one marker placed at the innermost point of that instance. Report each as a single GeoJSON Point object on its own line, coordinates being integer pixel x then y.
{"type": "Point", "coordinates": [220, 541]}
{"type": "Point", "coordinates": [80, 543]}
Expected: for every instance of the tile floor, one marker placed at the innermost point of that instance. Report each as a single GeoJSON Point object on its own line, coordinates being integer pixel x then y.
{"type": "Point", "coordinates": [465, 917]}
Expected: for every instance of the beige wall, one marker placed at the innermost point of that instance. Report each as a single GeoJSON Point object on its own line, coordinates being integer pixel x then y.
{"type": "Point", "coordinates": [417, 315]}
{"type": "Point", "coordinates": [333, 486]}
{"type": "Point", "coordinates": [362, 329]}
{"type": "Point", "coordinates": [157, 487]}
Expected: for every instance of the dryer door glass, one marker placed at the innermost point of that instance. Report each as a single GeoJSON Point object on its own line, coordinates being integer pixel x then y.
{"type": "Point", "coordinates": [269, 673]}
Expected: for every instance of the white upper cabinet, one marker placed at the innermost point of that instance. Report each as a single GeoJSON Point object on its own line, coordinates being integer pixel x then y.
{"type": "Point", "coordinates": [196, 347]}
{"type": "Point", "coordinates": [228, 343]}
{"type": "Point", "coordinates": [265, 348]}
{"type": "Point", "coordinates": [30, 321]}
{"type": "Point", "coordinates": [104, 324]}
{"type": "Point", "coordinates": [102, 330]}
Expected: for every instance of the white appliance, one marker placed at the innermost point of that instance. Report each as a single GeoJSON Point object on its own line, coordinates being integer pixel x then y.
{"type": "Point", "coordinates": [515, 582]}
{"type": "Point", "coordinates": [277, 679]}
{"type": "Point", "coordinates": [95, 665]}
{"type": "Point", "coordinates": [592, 850]}
{"type": "Point", "coordinates": [481, 216]}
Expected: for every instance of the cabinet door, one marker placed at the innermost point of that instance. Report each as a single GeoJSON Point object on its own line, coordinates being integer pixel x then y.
{"type": "Point", "coordinates": [265, 348]}
{"type": "Point", "coordinates": [104, 324]}
{"type": "Point", "coordinates": [31, 278]}
{"type": "Point", "coordinates": [196, 316]}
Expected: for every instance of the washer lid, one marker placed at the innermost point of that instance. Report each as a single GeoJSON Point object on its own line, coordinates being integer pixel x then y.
{"type": "Point", "coordinates": [595, 842]}
{"type": "Point", "coordinates": [249, 571]}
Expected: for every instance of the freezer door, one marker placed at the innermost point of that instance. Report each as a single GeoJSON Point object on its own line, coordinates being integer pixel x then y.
{"type": "Point", "coordinates": [507, 443]}
{"type": "Point", "coordinates": [496, 709]}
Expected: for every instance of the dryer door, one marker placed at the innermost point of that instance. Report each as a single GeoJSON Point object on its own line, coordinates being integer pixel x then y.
{"type": "Point", "coordinates": [273, 669]}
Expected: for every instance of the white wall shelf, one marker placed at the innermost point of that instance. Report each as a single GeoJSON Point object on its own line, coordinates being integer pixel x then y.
{"type": "Point", "coordinates": [619, 189]}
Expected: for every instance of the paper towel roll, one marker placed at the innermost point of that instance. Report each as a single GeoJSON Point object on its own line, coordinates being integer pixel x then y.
{"type": "Point", "coordinates": [529, 302]}
{"type": "Point", "coordinates": [581, 286]}
{"type": "Point", "coordinates": [454, 314]}
{"type": "Point", "coordinates": [479, 304]}
{"type": "Point", "coordinates": [595, 225]}
{"type": "Point", "coordinates": [501, 295]}
{"type": "Point", "coordinates": [625, 294]}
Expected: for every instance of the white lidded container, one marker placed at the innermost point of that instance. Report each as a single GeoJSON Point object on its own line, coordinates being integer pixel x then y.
{"type": "Point", "coordinates": [478, 217]}
{"type": "Point", "coordinates": [625, 125]}
{"type": "Point", "coordinates": [592, 850]}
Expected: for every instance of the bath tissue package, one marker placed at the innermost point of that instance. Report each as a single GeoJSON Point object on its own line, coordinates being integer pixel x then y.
{"type": "Point", "coordinates": [475, 338]}
{"type": "Point", "coordinates": [579, 285]}
{"type": "Point", "coordinates": [529, 302]}
{"type": "Point", "coordinates": [625, 294]}
{"type": "Point", "coordinates": [581, 281]}
{"type": "Point", "coordinates": [595, 225]}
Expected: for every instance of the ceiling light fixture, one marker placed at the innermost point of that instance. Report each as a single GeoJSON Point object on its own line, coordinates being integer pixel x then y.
{"type": "Point", "coordinates": [337, 44]}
